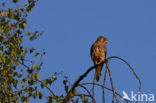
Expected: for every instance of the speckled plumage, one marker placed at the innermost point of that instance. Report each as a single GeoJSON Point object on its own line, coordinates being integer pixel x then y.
{"type": "Point", "coordinates": [98, 54]}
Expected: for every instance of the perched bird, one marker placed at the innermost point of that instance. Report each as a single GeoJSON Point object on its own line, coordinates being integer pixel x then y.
{"type": "Point", "coordinates": [98, 54]}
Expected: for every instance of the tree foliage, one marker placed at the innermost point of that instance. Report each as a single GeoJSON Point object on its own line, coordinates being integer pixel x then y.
{"type": "Point", "coordinates": [17, 79]}
{"type": "Point", "coordinates": [20, 65]}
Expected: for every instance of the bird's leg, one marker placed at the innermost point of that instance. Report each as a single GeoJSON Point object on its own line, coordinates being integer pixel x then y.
{"type": "Point", "coordinates": [96, 62]}
{"type": "Point", "coordinates": [103, 59]}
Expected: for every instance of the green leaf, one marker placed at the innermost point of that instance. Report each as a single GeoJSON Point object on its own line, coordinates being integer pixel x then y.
{"type": "Point", "coordinates": [40, 95]}
{"type": "Point", "coordinates": [75, 92]}
{"type": "Point", "coordinates": [28, 33]}
{"type": "Point", "coordinates": [25, 4]}
{"type": "Point", "coordinates": [26, 51]}
{"type": "Point", "coordinates": [4, 13]}
{"type": "Point", "coordinates": [66, 89]}
{"type": "Point", "coordinates": [17, 63]}
{"type": "Point", "coordinates": [25, 79]}
{"type": "Point", "coordinates": [30, 70]}
{"type": "Point", "coordinates": [27, 99]}
{"type": "Point", "coordinates": [30, 7]}
{"type": "Point", "coordinates": [38, 68]}
{"type": "Point", "coordinates": [36, 75]}
{"type": "Point", "coordinates": [23, 98]}
{"type": "Point", "coordinates": [50, 99]}
{"type": "Point", "coordinates": [65, 82]}
{"type": "Point", "coordinates": [86, 100]}
{"type": "Point", "coordinates": [23, 10]}
{"type": "Point", "coordinates": [36, 55]}
{"type": "Point", "coordinates": [34, 66]}
{"type": "Point", "coordinates": [20, 75]}
{"type": "Point", "coordinates": [37, 93]}
{"type": "Point", "coordinates": [22, 57]}
{"type": "Point", "coordinates": [1, 48]}
{"type": "Point", "coordinates": [15, 1]}
{"type": "Point", "coordinates": [21, 81]}
{"type": "Point", "coordinates": [22, 24]}
{"type": "Point", "coordinates": [54, 78]}
{"type": "Point", "coordinates": [83, 97]}
{"type": "Point", "coordinates": [30, 82]}
{"type": "Point", "coordinates": [43, 85]}
{"type": "Point", "coordinates": [31, 50]}
{"type": "Point", "coordinates": [31, 89]}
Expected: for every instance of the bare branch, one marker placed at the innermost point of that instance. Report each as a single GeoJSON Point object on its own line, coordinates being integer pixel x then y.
{"type": "Point", "coordinates": [103, 93]}
{"type": "Point", "coordinates": [53, 95]}
{"type": "Point", "coordinates": [81, 78]}
{"type": "Point", "coordinates": [136, 76]}
{"type": "Point", "coordinates": [93, 86]}
{"type": "Point", "coordinates": [105, 88]}
{"type": "Point", "coordinates": [93, 99]}
{"type": "Point", "coordinates": [114, 96]}
{"type": "Point", "coordinates": [76, 83]}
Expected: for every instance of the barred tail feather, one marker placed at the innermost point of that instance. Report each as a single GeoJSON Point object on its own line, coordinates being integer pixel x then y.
{"type": "Point", "coordinates": [98, 72]}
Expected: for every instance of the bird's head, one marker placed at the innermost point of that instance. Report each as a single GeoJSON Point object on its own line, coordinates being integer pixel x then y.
{"type": "Point", "coordinates": [102, 39]}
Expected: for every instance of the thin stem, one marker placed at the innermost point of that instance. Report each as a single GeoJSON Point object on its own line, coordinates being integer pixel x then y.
{"type": "Point", "coordinates": [104, 82]}
{"type": "Point", "coordinates": [93, 86]}
{"type": "Point", "coordinates": [114, 96]}
{"type": "Point", "coordinates": [80, 78]}
{"type": "Point", "coordinates": [105, 88]}
{"type": "Point", "coordinates": [53, 95]}
{"type": "Point", "coordinates": [136, 76]}
{"type": "Point", "coordinates": [93, 99]}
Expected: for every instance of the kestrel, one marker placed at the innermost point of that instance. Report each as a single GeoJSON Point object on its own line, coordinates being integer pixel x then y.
{"type": "Point", "coordinates": [98, 54]}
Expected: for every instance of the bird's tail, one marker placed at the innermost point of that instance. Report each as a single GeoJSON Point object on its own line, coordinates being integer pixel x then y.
{"type": "Point", "coordinates": [98, 72]}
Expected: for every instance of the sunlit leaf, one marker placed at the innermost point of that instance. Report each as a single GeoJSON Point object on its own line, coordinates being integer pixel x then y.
{"type": "Point", "coordinates": [40, 95]}
{"type": "Point", "coordinates": [36, 55]}
{"type": "Point", "coordinates": [66, 89]}
{"type": "Point", "coordinates": [34, 66]}
{"type": "Point", "coordinates": [15, 1]}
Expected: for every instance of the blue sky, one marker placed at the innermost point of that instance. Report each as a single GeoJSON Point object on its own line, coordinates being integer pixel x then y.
{"type": "Point", "coordinates": [71, 26]}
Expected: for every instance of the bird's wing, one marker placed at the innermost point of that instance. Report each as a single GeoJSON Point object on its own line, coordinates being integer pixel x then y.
{"type": "Point", "coordinates": [105, 52]}
{"type": "Point", "coordinates": [92, 51]}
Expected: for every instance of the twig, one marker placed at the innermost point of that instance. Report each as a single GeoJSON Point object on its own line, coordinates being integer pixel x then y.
{"type": "Point", "coordinates": [105, 88]}
{"type": "Point", "coordinates": [93, 86]}
{"type": "Point", "coordinates": [132, 71]}
{"type": "Point", "coordinates": [93, 99]}
{"type": "Point", "coordinates": [114, 96]}
{"type": "Point", "coordinates": [85, 95]}
{"type": "Point", "coordinates": [103, 93]}
{"type": "Point", "coordinates": [81, 78]}
{"type": "Point", "coordinates": [53, 95]}
{"type": "Point", "coordinates": [75, 84]}
{"type": "Point", "coordinates": [24, 65]}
